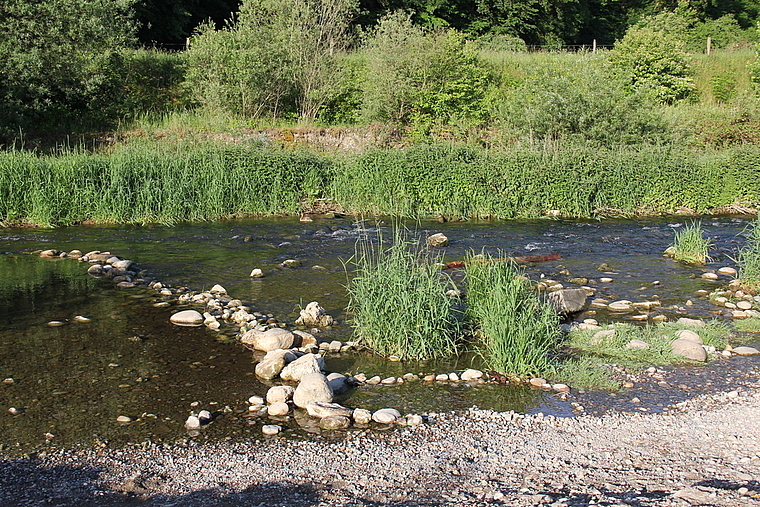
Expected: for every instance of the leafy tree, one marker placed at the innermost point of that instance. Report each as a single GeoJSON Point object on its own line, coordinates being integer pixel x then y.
{"type": "Point", "coordinates": [422, 79]}
{"type": "Point", "coordinates": [171, 21]}
{"type": "Point", "coordinates": [46, 48]}
{"type": "Point", "coordinates": [654, 62]}
{"type": "Point", "coordinates": [279, 56]}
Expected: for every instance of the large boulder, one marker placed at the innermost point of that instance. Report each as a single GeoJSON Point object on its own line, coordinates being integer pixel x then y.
{"type": "Point", "coordinates": [688, 349]}
{"type": "Point", "coordinates": [271, 339]}
{"type": "Point", "coordinates": [308, 363]}
{"type": "Point", "coordinates": [313, 387]}
{"type": "Point", "coordinates": [568, 300]}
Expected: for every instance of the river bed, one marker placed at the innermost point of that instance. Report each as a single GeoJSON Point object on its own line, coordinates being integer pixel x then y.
{"type": "Point", "coordinates": [73, 381]}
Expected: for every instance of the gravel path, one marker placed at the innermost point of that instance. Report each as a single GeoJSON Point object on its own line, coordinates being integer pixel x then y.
{"type": "Point", "coordinates": [706, 451]}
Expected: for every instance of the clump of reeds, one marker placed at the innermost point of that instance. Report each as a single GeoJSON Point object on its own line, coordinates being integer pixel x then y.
{"type": "Point", "coordinates": [690, 245]}
{"type": "Point", "coordinates": [749, 258]}
{"type": "Point", "coordinates": [516, 329]}
{"type": "Point", "coordinates": [399, 302]}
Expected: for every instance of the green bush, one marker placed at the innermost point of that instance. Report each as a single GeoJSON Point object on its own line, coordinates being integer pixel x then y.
{"type": "Point", "coordinates": [399, 303]}
{"type": "Point", "coordinates": [424, 80]}
{"type": "Point", "coordinates": [515, 329]}
{"type": "Point", "coordinates": [655, 62]}
{"type": "Point", "coordinates": [689, 245]}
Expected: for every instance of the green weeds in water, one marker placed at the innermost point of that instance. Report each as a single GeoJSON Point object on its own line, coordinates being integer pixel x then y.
{"type": "Point", "coordinates": [516, 330]}
{"type": "Point", "coordinates": [749, 258]}
{"type": "Point", "coordinates": [611, 347]}
{"type": "Point", "coordinates": [750, 325]}
{"type": "Point", "coordinates": [585, 373]}
{"type": "Point", "coordinates": [399, 303]}
{"type": "Point", "coordinates": [689, 245]}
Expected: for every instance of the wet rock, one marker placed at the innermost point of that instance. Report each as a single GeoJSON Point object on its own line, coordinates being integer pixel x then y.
{"type": "Point", "coordinates": [308, 363]}
{"type": "Point", "coordinates": [314, 315]}
{"type": "Point", "coordinates": [272, 364]}
{"type": "Point", "coordinates": [709, 276]}
{"type": "Point", "coordinates": [124, 264]}
{"type": "Point", "coordinates": [537, 382]}
{"type": "Point", "coordinates": [726, 270]}
{"type": "Point", "coordinates": [271, 339]}
{"type": "Point", "coordinates": [55, 323]}
{"type": "Point", "coordinates": [438, 240]}
{"type": "Point", "coordinates": [338, 383]}
{"type": "Point", "coordinates": [620, 306]}
{"type": "Point", "coordinates": [304, 339]}
{"type": "Point", "coordinates": [313, 387]}
{"type": "Point", "coordinates": [291, 263]}
{"type": "Point", "coordinates": [744, 305]}
{"type": "Point", "coordinates": [123, 419]}
{"type": "Point", "coordinates": [192, 423]}
{"type": "Point", "coordinates": [257, 400]}
{"type": "Point", "coordinates": [386, 416]}
{"type": "Point", "coordinates": [279, 393]}
{"type": "Point", "coordinates": [96, 270]}
{"type": "Point", "coordinates": [746, 351]}
{"type": "Point", "coordinates": [218, 289]}
{"type": "Point", "coordinates": [685, 334]}
{"type": "Point", "coordinates": [689, 350]}
{"type": "Point", "coordinates": [322, 409]}
{"type": "Point", "coordinates": [256, 273]}
{"type": "Point", "coordinates": [568, 300]}
{"type": "Point", "coordinates": [187, 318]}
{"type": "Point", "coordinates": [335, 422]}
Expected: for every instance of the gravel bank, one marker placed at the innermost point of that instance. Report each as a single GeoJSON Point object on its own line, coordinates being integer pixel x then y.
{"type": "Point", "coordinates": [706, 451]}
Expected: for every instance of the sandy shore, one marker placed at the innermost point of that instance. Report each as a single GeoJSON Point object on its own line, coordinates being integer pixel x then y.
{"type": "Point", "coordinates": [704, 452]}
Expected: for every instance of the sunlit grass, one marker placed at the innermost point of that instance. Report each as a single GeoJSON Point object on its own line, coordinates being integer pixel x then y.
{"type": "Point", "coordinates": [689, 245]}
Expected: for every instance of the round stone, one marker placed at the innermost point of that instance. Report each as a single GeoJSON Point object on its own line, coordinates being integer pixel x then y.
{"type": "Point", "coordinates": [386, 416]}
{"type": "Point", "coordinates": [685, 334]}
{"type": "Point", "coordinates": [123, 419]}
{"type": "Point", "coordinates": [278, 408]}
{"type": "Point", "coordinates": [187, 318]}
{"type": "Point", "coordinates": [271, 429]}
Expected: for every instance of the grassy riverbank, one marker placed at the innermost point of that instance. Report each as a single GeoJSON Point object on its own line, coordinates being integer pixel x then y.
{"type": "Point", "coordinates": [153, 182]}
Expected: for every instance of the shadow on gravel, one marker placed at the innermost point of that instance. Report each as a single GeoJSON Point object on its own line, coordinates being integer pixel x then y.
{"type": "Point", "coordinates": [29, 482]}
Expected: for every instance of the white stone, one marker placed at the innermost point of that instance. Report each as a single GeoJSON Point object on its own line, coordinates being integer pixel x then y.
{"type": "Point", "coordinates": [272, 364]}
{"type": "Point", "coordinates": [271, 429]}
{"type": "Point", "coordinates": [256, 400]}
{"type": "Point", "coordinates": [727, 271]}
{"type": "Point", "coordinates": [469, 374]}
{"type": "Point", "coordinates": [709, 276]}
{"type": "Point", "coordinates": [313, 387]}
{"type": "Point", "coordinates": [605, 279]}
{"type": "Point", "coordinates": [308, 363]}
{"type": "Point", "coordinates": [122, 419]}
{"type": "Point", "coordinates": [689, 350]}
{"type": "Point", "coordinates": [192, 423]}
{"type": "Point", "coordinates": [218, 289]}
{"type": "Point", "coordinates": [80, 318]}
{"type": "Point", "coordinates": [744, 305]}
{"type": "Point", "coordinates": [314, 315]}
{"type": "Point", "coordinates": [271, 339]}
{"type": "Point", "coordinates": [362, 416]}
{"type": "Point", "coordinates": [280, 394]}
{"type": "Point", "coordinates": [187, 318]}
{"type": "Point", "coordinates": [453, 377]}
{"type": "Point", "coordinates": [322, 409]}
{"type": "Point", "coordinates": [386, 416]}
{"type": "Point", "coordinates": [256, 273]}
{"type": "Point", "coordinates": [746, 351]}
{"type": "Point", "coordinates": [278, 408]}
{"type": "Point", "coordinates": [620, 306]}
{"type": "Point", "coordinates": [442, 377]}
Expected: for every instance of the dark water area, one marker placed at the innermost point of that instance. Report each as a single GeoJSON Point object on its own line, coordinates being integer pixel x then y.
{"type": "Point", "coordinates": [73, 381]}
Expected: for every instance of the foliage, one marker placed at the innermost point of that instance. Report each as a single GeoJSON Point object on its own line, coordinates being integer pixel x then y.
{"type": "Point", "coordinates": [655, 62]}
{"type": "Point", "coordinates": [749, 258]}
{"type": "Point", "coordinates": [577, 98]}
{"type": "Point", "coordinates": [173, 20]}
{"type": "Point", "coordinates": [46, 47]}
{"type": "Point", "coordinates": [516, 330]}
{"type": "Point", "coordinates": [399, 303]}
{"type": "Point", "coordinates": [689, 244]}
{"type": "Point", "coordinates": [750, 325]}
{"type": "Point", "coordinates": [421, 79]}
{"type": "Point", "coordinates": [585, 373]}
{"type": "Point", "coordinates": [278, 57]}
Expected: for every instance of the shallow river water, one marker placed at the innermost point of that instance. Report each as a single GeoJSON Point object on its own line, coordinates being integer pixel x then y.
{"type": "Point", "coordinates": [73, 381]}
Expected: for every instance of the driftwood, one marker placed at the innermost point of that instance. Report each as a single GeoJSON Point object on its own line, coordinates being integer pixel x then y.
{"type": "Point", "coordinates": [525, 258]}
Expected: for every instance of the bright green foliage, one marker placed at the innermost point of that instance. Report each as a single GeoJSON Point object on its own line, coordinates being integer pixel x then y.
{"type": "Point", "coordinates": [655, 62]}
{"type": "Point", "coordinates": [515, 329]}
{"type": "Point", "coordinates": [690, 245]}
{"type": "Point", "coordinates": [577, 99]}
{"type": "Point", "coordinates": [399, 303]}
{"type": "Point", "coordinates": [46, 47]}
{"type": "Point", "coordinates": [421, 79]}
{"type": "Point", "coordinates": [278, 58]}
{"type": "Point", "coordinates": [749, 258]}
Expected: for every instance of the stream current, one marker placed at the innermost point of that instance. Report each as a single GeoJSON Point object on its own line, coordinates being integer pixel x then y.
{"type": "Point", "coordinates": [73, 381]}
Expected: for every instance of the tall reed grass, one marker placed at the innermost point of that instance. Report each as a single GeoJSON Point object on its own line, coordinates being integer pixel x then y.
{"type": "Point", "coordinates": [150, 181]}
{"type": "Point", "coordinates": [516, 329]}
{"type": "Point", "coordinates": [399, 303]}
{"type": "Point", "coordinates": [690, 245]}
{"type": "Point", "coordinates": [749, 258]}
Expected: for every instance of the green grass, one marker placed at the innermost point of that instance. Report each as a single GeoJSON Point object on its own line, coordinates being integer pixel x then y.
{"type": "Point", "coordinates": [689, 245]}
{"type": "Point", "coordinates": [749, 258]}
{"type": "Point", "coordinates": [750, 325]}
{"type": "Point", "coordinates": [612, 349]}
{"type": "Point", "coordinates": [585, 373]}
{"type": "Point", "coordinates": [398, 301]}
{"type": "Point", "coordinates": [515, 329]}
